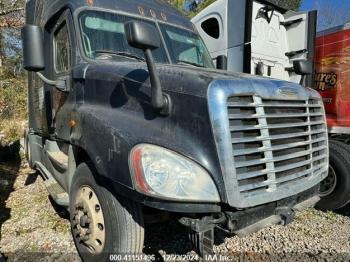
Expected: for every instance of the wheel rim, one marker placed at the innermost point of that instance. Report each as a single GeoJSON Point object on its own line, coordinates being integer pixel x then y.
{"type": "Point", "coordinates": [329, 183]}
{"type": "Point", "coordinates": [88, 222]}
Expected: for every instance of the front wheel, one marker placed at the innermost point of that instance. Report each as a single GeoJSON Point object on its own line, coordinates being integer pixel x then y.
{"type": "Point", "coordinates": [103, 224]}
{"type": "Point", "coordinates": [335, 189]}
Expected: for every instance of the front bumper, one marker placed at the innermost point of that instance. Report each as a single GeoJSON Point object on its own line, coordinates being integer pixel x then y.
{"type": "Point", "coordinates": [242, 222]}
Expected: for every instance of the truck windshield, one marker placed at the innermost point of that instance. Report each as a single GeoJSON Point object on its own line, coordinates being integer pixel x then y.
{"type": "Point", "coordinates": [103, 37]}
{"type": "Point", "coordinates": [186, 47]}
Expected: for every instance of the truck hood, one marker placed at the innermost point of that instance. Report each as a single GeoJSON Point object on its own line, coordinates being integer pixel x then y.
{"type": "Point", "coordinates": [190, 80]}
{"type": "Point", "coordinates": [113, 101]}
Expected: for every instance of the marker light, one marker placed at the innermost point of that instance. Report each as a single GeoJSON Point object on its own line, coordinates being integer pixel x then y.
{"type": "Point", "coordinates": [165, 174]}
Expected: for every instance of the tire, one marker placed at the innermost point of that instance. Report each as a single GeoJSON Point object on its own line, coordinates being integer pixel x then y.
{"type": "Point", "coordinates": [341, 144]}
{"type": "Point", "coordinates": [121, 219]}
{"type": "Point", "coordinates": [339, 161]}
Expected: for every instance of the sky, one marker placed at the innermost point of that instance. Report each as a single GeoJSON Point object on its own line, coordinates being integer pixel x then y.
{"type": "Point", "coordinates": [308, 5]}
{"type": "Point", "coordinates": [339, 13]}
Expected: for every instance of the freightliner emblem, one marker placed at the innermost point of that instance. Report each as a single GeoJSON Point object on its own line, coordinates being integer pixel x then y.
{"type": "Point", "coordinates": [287, 93]}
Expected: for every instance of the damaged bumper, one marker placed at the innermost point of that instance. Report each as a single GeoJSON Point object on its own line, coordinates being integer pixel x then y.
{"type": "Point", "coordinates": [243, 222]}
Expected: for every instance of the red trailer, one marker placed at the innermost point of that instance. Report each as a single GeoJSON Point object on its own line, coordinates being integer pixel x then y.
{"type": "Point", "coordinates": [332, 80]}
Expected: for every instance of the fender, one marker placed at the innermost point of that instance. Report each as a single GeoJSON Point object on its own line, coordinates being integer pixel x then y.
{"type": "Point", "coordinates": [108, 136]}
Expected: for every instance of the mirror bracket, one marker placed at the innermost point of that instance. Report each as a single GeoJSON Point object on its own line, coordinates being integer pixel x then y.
{"type": "Point", "coordinates": [303, 68]}
{"type": "Point", "coordinates": [221, 62]}
{"type": "Point", "coordinates": [145, 37]}
{"type": "Point", "coordinates": [165, 111]}
{"type": "Point", "coordinates": [159, 100]}
{"type": "Point", "coordinates": [61, 83]}
{"type": "Point", "coordinates": [45, 80]}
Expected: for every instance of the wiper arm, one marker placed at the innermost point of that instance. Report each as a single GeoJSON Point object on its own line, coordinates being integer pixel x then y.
{"type": "Point", "coordinates": [124, 54]}
{"type": "Point", "coordinates": [188, 63]}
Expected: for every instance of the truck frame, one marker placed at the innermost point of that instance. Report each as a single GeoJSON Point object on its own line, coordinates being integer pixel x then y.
{"type": "Point", "coordinates": [128, 116]}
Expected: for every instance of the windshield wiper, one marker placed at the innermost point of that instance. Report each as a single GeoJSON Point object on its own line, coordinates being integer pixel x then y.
{"type": "Point", "coordinates": [188, 63]}
{"type": "Point", "coordinates": [124, 54]}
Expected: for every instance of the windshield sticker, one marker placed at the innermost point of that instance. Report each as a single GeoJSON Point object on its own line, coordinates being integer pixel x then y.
{"type": "Point", "coordinates": [98, 23]}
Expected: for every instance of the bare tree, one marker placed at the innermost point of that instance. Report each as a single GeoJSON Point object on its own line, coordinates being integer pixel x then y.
{"type": "Point", "coordinates": [11, 6]}
{"type": "Point", "coordinates": [11, 13]}
{"type": "Point", "coordinates": [11, 16]}
{"type": "Point", "coordinates": [290, 4]}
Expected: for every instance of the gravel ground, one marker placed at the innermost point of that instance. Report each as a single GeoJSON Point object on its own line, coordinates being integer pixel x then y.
{"type": "Point", "coordinates": [30, 226]}
{"type": "Point", "coordinates": [33, 230]}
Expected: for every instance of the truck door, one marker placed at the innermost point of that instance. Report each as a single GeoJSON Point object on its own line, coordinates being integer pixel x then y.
{"type": "Point", "coordinates": [61, 56]}
{"type": "Point", "coordinates": [301, 36]}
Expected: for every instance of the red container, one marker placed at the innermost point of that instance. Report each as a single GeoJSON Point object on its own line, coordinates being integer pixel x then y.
{"type": "Point", "coordinates": [332, 78]}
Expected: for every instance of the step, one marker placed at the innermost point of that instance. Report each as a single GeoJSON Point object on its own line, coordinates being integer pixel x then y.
{"type": "Point", "coordinates": [58, 159]}
{"type": "Point", "coordinates": [57, 192]}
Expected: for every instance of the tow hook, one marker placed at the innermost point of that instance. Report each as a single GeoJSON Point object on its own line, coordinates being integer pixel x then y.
{"type": "Point", "coordinates": [202, 232]}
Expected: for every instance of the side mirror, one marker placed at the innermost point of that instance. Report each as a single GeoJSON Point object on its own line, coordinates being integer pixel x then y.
{"type": "Point", "coordinates": [146, 37]}
{"type": "Point", "coordinates": [221, 62]}
{"type": "Point", "coordinates": [302, 67]}
{"type": "Point", "coordinates": [33, 48]}
{"type": "Point", "coordinates": [33, 56]}
{"type": "Point", "coordinates": [142, 36]}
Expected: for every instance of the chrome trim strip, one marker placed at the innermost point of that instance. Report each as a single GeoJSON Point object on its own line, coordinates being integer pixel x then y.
{"type": "Point", "coordinates": [339, 130]}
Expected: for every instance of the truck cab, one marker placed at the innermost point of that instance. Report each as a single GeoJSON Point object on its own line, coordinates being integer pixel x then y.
{"type": "Point", "coordinates": [260, 38]}
{"type": "Point", "coordinates": [128, 115]}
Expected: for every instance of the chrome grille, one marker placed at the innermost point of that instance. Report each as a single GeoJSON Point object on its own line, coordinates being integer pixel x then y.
{"type": "Point", "coordinates": [276, 144]}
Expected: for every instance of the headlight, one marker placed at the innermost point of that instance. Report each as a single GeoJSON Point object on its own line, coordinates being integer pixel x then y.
{"type": "Point", "coordinates": [166, 174]}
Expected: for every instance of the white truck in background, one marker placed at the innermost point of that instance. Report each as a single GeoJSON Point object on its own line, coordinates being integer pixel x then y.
{"type": "Point", "coordinates": [261, 38]}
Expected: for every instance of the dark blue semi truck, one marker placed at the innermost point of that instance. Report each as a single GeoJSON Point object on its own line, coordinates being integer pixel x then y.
{"type": "Point", "coordinates": [128, 117]}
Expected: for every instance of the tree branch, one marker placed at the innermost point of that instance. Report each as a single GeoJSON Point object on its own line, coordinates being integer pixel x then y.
{"type": "Point", "coordinates": [10, 11]}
